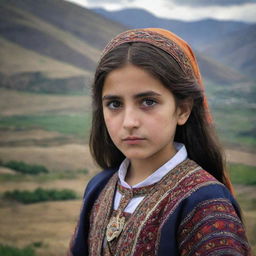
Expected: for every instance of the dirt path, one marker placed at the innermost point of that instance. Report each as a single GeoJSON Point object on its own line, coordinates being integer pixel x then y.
{"type": "Point", "coordinates": [63, 157]}
{"type": "Point", "coordinates": [75, 156]}
{"type": "Point", "coordinates": [241, 157]}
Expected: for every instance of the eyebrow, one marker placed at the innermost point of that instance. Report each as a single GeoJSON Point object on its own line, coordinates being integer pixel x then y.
{"type": "Point", "coordinates": [136, 96]}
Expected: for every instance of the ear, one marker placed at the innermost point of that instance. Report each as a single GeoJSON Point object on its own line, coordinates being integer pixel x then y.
{"type": "Point", "coordinates": [184, 109]}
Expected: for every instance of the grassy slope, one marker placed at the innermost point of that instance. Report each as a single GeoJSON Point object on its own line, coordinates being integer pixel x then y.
{"type": "Point", "coordinates": [19, 27]}
{"type": "Point", "coordinates": [233, 110]}
{"type": "Point", "coordinates": [236, 50]}
{"type": "Point", "coordinates": [77, 40]}
{"type": "Point", "coordinates": [65, 37]}
{"type": "Point", "coordinates": [69, 116]}
{"type": "Point", "coordinates": [82, 23]}
{"type": "Point", "coordinates": [16, 59]}
{"type": "Point", "coordinates": [50, 46]}
{"type": "Point", "coordinates": [234, 117]}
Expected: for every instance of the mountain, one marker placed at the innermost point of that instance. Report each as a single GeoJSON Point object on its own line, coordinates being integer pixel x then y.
{"type": "Point", "coordinates": [50, 45]}
{"type": "Point", "coordinates": [197, 33]}
{"type": "Point", "coordinates": [236, 50]}
{"type": "Point", "coordinates": [217, 72]}
{"type": "Point", "coordinates": [225, 49]}
{"type": "Point", "coordinates": [53, 46]}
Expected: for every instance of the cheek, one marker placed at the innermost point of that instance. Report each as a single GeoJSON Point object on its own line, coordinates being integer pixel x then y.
{"type": "Point", "coordinates": [111, 125]}
{"type": "Point", "coordinates": [164, 118]}
{"type": "Point", "coordinates": [162, 124]}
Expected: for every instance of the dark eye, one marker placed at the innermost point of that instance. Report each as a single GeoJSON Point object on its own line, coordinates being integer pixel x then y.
{"type": "Point", "coordinates": [114, 104]}
{"type": "Point", "coordinates": [148, 102]}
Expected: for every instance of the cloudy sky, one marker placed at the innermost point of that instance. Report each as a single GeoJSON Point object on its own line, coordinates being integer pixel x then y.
{"type": "Point", "coordinates": [241, 10]}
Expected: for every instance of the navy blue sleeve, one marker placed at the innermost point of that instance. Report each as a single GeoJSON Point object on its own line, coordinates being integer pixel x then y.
{"type": "Point", "coordinates": [79, 244]}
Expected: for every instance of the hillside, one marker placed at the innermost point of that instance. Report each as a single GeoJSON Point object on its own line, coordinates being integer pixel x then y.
{"type": "Point", "coordinates": [237, 50]}
{"type": "Point", "coordinates": [195, 33]}
{"type": "Point", "coordinates": [222, 56]}
{"type": "Point", "coordinates": [53, 45]}
{"type": "Point", "coordinates": [217, 72]}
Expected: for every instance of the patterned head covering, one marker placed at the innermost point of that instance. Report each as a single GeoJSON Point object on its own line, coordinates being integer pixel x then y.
{"type": "Point", "coordinates": [170, 43]}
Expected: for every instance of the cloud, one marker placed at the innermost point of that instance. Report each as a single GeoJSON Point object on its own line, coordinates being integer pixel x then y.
{"type": "Point", "coordinates": [245, 12]}
{"type": "Point", "coordinates": [110, 1]}
{"type": "Point", "coordinates": [106, 4]}
{"type": "Point", "coordinates": [169, 9]}
{"type": "Point", "coordinates": [210, 2]}
{"type": "Point", "coordinates": [178, 2]}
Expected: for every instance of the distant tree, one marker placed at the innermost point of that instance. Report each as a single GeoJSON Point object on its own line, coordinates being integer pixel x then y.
{"type": "Point", "coordinates": [40, 195]}
{"type": "Point", "coordinates": [25, 168]}
{"type": "Point", "coordinates": [6, 250]}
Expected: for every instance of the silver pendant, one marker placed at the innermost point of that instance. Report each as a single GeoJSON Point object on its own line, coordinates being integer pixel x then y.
{"type": "Point", "coordinates": [115, 227]}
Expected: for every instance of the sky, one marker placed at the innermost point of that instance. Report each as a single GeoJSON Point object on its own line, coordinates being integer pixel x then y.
{"type": "Point", "coordinates": [187, 10]}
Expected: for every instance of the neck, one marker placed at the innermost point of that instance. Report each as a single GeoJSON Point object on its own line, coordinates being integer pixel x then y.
{"type": "Point", "coordinates": [140, 169]}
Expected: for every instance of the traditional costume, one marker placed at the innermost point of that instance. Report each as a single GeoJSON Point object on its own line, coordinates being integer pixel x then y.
{"type": "Point", "coordinates": [178, 210]}
{"type": "Point", "coordinates": [185, 211]}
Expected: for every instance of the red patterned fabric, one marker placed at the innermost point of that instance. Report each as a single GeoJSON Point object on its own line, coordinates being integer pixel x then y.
{"type": "Point", "coordinates": [212, 228]}
{"type": "Point", "coordinates": [209, 228]}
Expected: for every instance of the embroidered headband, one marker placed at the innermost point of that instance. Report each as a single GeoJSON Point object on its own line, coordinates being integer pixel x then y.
{"type": "Point", "coordinates": [162, 39]}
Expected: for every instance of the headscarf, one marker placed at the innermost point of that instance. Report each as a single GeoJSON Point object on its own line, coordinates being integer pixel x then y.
{"type": "Point", "coordinates": [174, 46]}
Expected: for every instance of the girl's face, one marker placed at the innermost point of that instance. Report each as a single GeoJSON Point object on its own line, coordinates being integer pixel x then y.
{"type": "Point", "coordinates": [140, 114]}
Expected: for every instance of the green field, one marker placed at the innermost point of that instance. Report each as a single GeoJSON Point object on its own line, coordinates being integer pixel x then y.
{"type": "Point", "coordinates": [243, 174]}
{"type": "Point", "coordinates": [234, 113]}
{"type": "Point", "coordinates": [75, 124]}
{"type": "Point", "coordinates": [34, 128]}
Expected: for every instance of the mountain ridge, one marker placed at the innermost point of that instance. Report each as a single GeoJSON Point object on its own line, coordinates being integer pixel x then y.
{"type": "Point", "coordinates": [223, 41]}
{"type": "Point", "coordinates": [237, 50]}
{"type": "Point", "coordinates": [29, 32]}
{"type": "Point", "coordinates": [66, 40]}
{"type": "Point", "coordinates": [195, 33]}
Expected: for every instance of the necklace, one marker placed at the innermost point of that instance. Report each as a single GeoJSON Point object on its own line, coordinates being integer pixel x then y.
{"type": "Point", "coordinates": [115, 227]}
{"type": "Point", "coordinates": [116, 223]}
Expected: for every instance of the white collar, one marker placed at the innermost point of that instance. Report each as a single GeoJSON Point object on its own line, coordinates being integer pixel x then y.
{"type": "Point", "coordinates": [157, 175]}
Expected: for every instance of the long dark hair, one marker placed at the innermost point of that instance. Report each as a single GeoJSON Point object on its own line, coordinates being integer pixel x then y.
{"type": "Point", "coordinates": [197, 133]}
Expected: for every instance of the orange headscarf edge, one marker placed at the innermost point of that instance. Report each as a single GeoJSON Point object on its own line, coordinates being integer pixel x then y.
{"type": "Point", "coordinates": [193, 61]}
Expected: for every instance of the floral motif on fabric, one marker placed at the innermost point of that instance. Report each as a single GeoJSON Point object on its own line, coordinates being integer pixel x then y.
{"type": "Point", "coordinates": [213, 228]}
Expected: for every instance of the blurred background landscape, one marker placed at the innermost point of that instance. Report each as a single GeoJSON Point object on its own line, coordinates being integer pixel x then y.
{"type": "Point", "coordinates": [48, 53]}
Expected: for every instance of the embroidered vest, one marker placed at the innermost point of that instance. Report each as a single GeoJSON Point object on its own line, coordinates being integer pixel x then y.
{"type": "Point", "coordinates": [141, 233]}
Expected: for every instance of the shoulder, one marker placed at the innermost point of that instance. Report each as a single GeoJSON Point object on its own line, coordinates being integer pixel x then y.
{"type": "Point", "coordinates": [212, 226]}
{"type": "Point", "coordinates": [92, 191]}
{"type": "Point", "coordinates": [203, 183]}
{"type": "Point", "coordinates": [99, 181]}
{"type": "Point", "coordinates": [204, 187]}
{"type": "Point", "coordinates": [210, 219]}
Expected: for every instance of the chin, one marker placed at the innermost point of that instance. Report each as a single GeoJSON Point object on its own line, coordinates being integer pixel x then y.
{"type": "Point", "coordinates": [136, 155]}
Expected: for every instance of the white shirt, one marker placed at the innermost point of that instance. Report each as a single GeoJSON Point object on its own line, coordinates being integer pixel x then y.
{"type": "Point", "coordinates": [156, 176]}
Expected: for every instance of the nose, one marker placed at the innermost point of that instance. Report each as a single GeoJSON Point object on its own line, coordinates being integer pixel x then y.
{"type": "Point", "coordinates": [131, 118]}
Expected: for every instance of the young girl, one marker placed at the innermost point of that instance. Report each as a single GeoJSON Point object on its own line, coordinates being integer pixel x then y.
{"type": "Point", "coordinates": [163, 190]}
